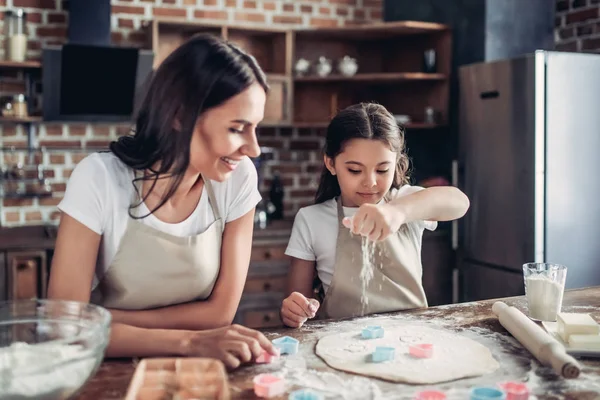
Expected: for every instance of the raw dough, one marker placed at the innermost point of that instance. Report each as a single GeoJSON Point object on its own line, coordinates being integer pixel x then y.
{"type": "Point", "coordinates": [454, 356]}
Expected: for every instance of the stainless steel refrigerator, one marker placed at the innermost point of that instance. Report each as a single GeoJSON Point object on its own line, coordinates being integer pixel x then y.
{"type": "Point", "coordinates": [529, 161]}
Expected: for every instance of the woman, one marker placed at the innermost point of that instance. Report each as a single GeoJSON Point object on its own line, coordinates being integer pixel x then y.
{"type": "Point", "coordinates": [159, 229]}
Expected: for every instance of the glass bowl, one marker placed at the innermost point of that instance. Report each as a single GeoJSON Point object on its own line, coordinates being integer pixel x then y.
{"type": "Point", "coordinates": [50, 348]}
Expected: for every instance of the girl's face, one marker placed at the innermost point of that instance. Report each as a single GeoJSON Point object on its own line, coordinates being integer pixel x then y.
{"type": "Point", "coordinates": [365, 171]}
{"type": "Point", "coordinates": [225, 134]}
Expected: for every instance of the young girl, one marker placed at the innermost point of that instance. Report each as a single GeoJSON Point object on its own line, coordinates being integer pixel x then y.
{"type": "Point", "coordinates": [364, 193]}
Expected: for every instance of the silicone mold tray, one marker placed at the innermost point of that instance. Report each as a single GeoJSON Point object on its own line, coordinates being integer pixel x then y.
{"type": "Point", "coordinates": [179, 378]}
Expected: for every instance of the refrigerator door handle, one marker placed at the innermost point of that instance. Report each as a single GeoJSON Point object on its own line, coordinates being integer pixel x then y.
{"type": "Point", "coordinates": [455, 222]}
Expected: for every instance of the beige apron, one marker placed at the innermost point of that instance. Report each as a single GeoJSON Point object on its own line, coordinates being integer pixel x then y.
{"type": "Point", "coordinates": [396, 281]}
{"type": "Point", "coordinates": [155, 269]}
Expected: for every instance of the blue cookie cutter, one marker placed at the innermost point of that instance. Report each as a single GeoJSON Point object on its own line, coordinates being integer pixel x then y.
{"type": "Point", "coordinates": [382, 354]}
{"type": "Point", "coordinates": [372, 332]}
{"type": "Point", "coordinates": [286, 345]}
{"type": "Point", "coordinates": [305, 394]}
{"type": "Point", "coordinates": [487, 393]}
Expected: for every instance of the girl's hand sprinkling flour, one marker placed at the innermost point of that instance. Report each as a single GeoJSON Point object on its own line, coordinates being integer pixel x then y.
{"type": "Point", "coordinates": [375, 221]}
{"type": "Point", "coordinates": [297, 309]}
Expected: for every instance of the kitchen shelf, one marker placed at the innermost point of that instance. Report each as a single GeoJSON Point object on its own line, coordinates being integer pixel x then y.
{"type": "Point", "coordinates": [375, 77]}
{"type": "Point", "coordinates": [24, 195]}
{"type": "Point", "coordinates": [375, 31]}
{"type": "Point", "coordinates": [325, 124]}
{"type": "Point", "coordinates": [21, 65]}
{"type": "Point", "coordinates": [19, 120]}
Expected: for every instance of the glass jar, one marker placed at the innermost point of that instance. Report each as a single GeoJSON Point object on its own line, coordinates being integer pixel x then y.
{"type": "Point", "coordinates": [19, 106]}
{"type": "Point", "coordinates": [15, 34]}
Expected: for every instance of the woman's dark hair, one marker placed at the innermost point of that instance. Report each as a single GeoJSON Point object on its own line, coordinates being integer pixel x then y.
{"type": "Point", "coordinates": [202, 73]}
{"type": "Point", "coordinates": [362, 121]}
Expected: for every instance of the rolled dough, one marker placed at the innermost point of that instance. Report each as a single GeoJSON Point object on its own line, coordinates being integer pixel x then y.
{"type": "Point", "coordinates": [454, 356]}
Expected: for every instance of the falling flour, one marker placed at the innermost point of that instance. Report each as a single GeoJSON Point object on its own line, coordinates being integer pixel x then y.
{"type": "Point", "coordinates": [544, 297]}
{"type": "Point", "coordinates": [366, 271]}
{"type": "Point", "coordinates": [43, 371]}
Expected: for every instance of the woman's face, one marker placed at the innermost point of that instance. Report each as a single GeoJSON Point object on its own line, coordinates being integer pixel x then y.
{"type": "Point", "coordinates": [225, 134]}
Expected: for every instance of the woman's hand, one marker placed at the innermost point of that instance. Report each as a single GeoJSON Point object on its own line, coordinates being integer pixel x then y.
{"type": "Point", "coordinates": [296, 309]}
{"type": "Point", "coordinates": [376, 222]}
{"type": "Point", "coordinates": [233, 345]}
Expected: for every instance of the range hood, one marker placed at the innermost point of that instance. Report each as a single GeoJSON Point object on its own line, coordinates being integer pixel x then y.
{"type": "Point", "coordinates": [88, 79]}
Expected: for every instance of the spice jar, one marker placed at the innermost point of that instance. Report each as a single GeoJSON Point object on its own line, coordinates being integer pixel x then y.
{"type": "Point", "coordinates": [19, 106]}
{"type": "Point", "coordinates": [15, 34]}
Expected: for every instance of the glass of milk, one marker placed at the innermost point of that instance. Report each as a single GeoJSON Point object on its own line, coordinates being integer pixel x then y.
{"type": "Point", "coordinates": [544, 288]}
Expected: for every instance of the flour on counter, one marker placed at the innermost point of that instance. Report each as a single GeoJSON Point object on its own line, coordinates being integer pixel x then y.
{"type": "Point", "coordinates": [42, 371]}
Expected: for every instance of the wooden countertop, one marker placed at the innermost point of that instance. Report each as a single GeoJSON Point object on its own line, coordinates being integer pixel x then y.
{"type": "Point", "coordinates": [473, 319]}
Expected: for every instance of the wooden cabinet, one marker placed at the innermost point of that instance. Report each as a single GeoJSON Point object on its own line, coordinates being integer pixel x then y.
{"type": "Point", "coordinates": [389, 57]}
{"type": "Point", "coordinates": [23, 274]}
{"type": "Point", "coordinates": [265, 286]}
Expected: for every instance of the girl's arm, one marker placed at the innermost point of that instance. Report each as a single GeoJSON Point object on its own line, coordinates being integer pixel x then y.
{"type": "Point", "coordinates": [219, 309]}
{"type": "Point", "coordinates": [440, 203]}
{"type": "Point", "coordinates": [299, 305]}
{"type": "Point", "coordinates": [432, 204]}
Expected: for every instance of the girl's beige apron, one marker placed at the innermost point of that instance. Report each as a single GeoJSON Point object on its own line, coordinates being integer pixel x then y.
{"type": "Point", "coordinates": [396, 281]}
{"type": "Point", "coordinates": [155, 269]}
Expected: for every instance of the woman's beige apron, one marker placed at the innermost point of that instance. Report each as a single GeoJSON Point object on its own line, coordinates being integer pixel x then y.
{"type": "Point", "coordinates": [155, 269]}
{"type": "Point", "coordinates": [396, 281]}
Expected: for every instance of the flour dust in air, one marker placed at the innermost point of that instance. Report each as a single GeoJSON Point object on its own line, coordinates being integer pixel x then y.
{"type": "Point", "coordinates": [366, 271]}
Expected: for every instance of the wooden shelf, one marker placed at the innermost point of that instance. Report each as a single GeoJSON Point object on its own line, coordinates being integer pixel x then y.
{"type": "Point", "coordinates": [17, 120]}
{"type": "Point", "coordinates": [377, 77]}
{"type": "Point", "coordinates": [25, 64]}
{"type": "Point", "coordinates": [381, 30]}
{"type": "Point", "coordinates": [324, 124]}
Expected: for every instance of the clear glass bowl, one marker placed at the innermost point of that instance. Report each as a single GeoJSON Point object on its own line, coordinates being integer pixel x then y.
{"type": "Point", "coordinates": [50, 348]}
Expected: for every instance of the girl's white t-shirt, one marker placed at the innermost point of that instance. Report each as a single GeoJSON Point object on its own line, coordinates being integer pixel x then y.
{"type": "Point", "coordinates": [100, 191]}
{"type": "Point", "coordinates": [315, 232]}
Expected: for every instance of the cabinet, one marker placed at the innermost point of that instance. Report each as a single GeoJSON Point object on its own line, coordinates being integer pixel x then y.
{"type": "Point", "coordinates": [25, 257]}
{"type": "Point", "coordinates": [390, 67]}
{"type": "Point", "coordinates": [265, 286]}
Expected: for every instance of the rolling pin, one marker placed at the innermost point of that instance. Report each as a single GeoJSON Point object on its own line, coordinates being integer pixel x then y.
{"type": "Point", "coordinates": [545, 348]}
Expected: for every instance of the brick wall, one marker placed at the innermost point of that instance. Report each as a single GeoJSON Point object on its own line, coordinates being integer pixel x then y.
{"type": "Point", "coordinates": [578, 25]}
{"type": "Point", "coordinates": [297, 155]}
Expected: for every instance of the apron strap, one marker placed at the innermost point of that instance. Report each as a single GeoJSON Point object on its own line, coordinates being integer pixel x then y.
{"type": "Point", "coordinates": [137, 195]}
{"type": "Point", "coordinates": [340, 212]}
{"type": "Point", "coordinates": [211, 197]}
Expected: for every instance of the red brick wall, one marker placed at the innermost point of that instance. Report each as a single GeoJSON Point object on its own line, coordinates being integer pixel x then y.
{"type": "Point", "coordinates": [297, 156]}
{"type": "Point", "coordinates": [578, 25]}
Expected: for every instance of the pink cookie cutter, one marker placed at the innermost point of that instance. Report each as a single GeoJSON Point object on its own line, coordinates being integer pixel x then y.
{"type": "Point", "coordinates": [266, 358]}
{"type": "Point", "coordinates": [267, 386]}
{"type": "Point", "coordinates": [515, 390]}
{"type": "Point", "coordinates": [430, 395]}
{"type": "Point", "coordinates": [422, 350]}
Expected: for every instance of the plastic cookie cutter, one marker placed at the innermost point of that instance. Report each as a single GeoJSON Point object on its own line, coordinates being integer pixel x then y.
{"type": "Point", "coordinates": [286, 345]}
{"type": "Point", "coordinates": [487, 393]}
{"type": "Point", "coordinates": [372, 332]}
{"type": "Point", "coordinates": [266, 358]}
{"type": "Point", "coordinates": [430, 395]}
{"type": "Point", "coordinates": [267, 386]}
{"type": "Point", "coordinates": [421, 350]}
{"type": "Point", "coordinates": [382, 354]}
{"type": "Point", "coordinates": [305, 394]}
{"type": "Point", "coordinates": [515, 390]}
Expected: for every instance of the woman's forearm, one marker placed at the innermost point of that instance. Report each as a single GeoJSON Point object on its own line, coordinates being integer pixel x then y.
{"type": "Point", "coordinates": [198, 315]}
{"type": "Point", "coordinates": [132, 341]}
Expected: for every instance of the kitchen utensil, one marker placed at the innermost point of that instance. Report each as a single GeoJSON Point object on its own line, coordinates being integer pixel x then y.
{"type": "Point", "coordinates": [186, 378]}
{"type": "Point", "coordinates": [545, 348]}
{"type": "Point", "coordinates": [50, 348]}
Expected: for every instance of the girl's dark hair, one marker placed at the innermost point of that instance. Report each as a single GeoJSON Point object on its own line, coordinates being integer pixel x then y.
{"type": "Point", "coordinates": [202, 73]}
{"type": "Point", "coordinates": [362, 121]}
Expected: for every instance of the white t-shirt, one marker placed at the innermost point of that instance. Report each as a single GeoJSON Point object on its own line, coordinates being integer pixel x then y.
{"type": "Point", "coordinates": [100, 191]}
{"type": "Point", "coordinates": [315, 232]}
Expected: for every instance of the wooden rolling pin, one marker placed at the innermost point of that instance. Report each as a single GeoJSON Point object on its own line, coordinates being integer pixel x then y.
{"type": "Point", "coordinates": [545, 348]}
